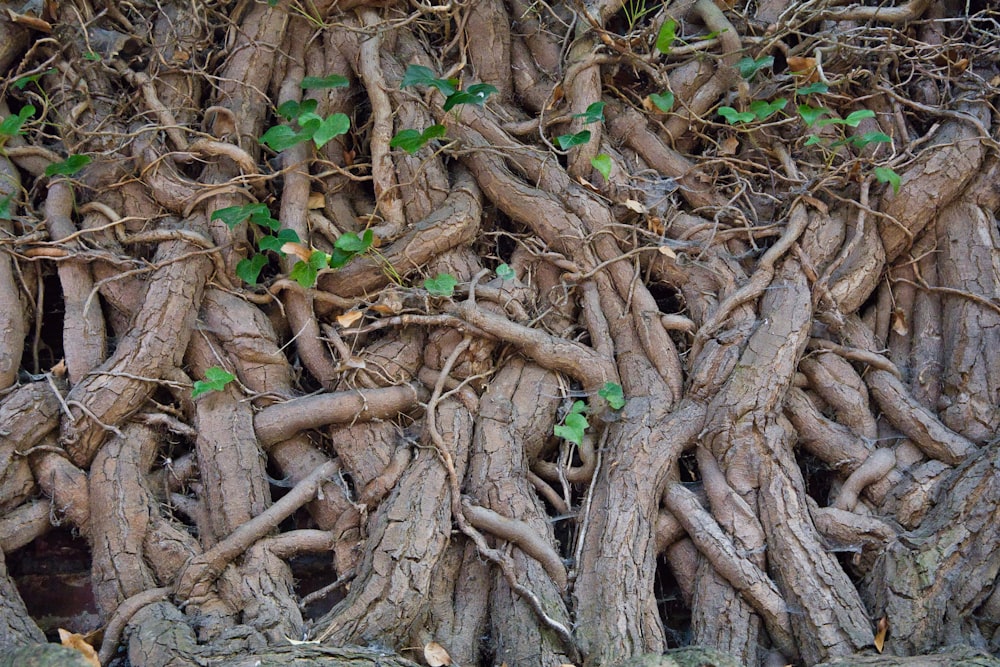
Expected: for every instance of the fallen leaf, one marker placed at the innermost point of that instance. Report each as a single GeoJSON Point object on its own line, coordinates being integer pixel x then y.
{"type": "Point", "coordinates": [75, 641]}
{"type": "Point", "coordinates": [557, 95]}
{"type": "Point", "coordinates": [803, 68]}
{"type": "Point", "coordinates": [633, 205]}
{"type": "Point", "coordinates": [729, 146]}
{"type": "Point", "coordinates": [817, 204]}
{"type": "Point", "coordinates": [350, 317]}
{"type": "Point", "coordinates": [316, 200]}
{"type": "Point", "coordinates": [297, 249]}
{"type": "Point", "coordinates": [668, 251]}
{"type": "Point", "coordinates": [655, 224]}
{"type": "Point", "coordinates": [883, 629]}
{"type": "Point", "coordinates": [435, 655]}
{"type": "Point", "coordinates": [899, 322]}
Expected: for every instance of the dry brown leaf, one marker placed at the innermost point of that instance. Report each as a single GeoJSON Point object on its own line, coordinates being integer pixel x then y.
{"type": "Point", "coordinates": [729, 146]}
{"type": "Point", "coordinates": [803, 69]}
{"type": "Point", "coordinates": [656, 225]}
{"type": "Point", "coordinates": [316, 200]}
{"type": "Point", "coordinates": [817, 204]}
{"type": "Point", "coordinates": [435, 655]}
{"type": "Point", "coordinates": [350, 317]}
{"type": "Point", "coordinates": [75, 641]}
{"type": "Point", "coordinates": [633, 205]}
{"type": "Point", "coordinates": [883, 629]}
{"type": "Point", "coordinates": [349, 157]}
{"type": "Point", "coordinates": [297, 249]}
{"type": "Point", "coordinates": [668, 251]}
{"type": "Point", "coordinates": [899, 322]}
{"type": "Point", "coordinates": [557, 95]}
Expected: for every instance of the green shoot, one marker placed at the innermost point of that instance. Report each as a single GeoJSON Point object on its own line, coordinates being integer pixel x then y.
{"type": "Point", "coordinates": [441, 285]}
{"type": "Point", "coordinates": [613, 394]}
{"type": "Point", "coordinates": [216, 379]}
{"type": "Point", "coordinates": [11, 125]}
{"type": "Point", "coordinates": [320, 82]}
{"type": "Point", "coordinates": [749, 67]}
{"type": "Point", "coordinates": [412, 141]}
{"type": "Point", "coordinates": [418, 75]}
{"type": "Point", "coordinates": [5, 204]}
{"type": "Point", "coordinates": [567, 141]}
{"type": "Point", "coordinates": [887, 175]}
{"type": "Point", "coordinates": [817, 88]}
{"type": "Point", "coordinates": [69, 166]}
{"type": "Point", "coordinates": [602, 163]}
{"type": "Point", "coordinates": [667, 35]}
{"type": "Point", "coordinates": [248, 270]}
{"type": "Point", "coordinates": [593, 114]}
{"type": "Point", "coordinates": [574, 424]}
{"type": "Point", "coordinates": [733, 116]}
{"type": "Point", "coordinates": [504, 272]}
{"type": "Point", "coordinates": [664, 101]}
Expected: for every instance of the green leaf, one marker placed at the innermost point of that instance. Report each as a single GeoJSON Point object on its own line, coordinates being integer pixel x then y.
{"type": "Point", "coordinates": [762, 109]}
{"type": "Point", "coordinates": [304, 274]}
{"type": "Point", "coordinates": [567, 141]}
{"type": "Point", "coordinates": [593, 114]}
{"type": "Point", "coordinates": [334, 126]}
{"type": "Point", "coordinates": [812, 140]}
{"type": "Point", "coordinates": [411, 140]}
{"type": "Point", "coordinates": [69, 166]}
{"type": "Point", "coordinates": [871, 138]}
{"type": "Point", "coordinates": [92, 55]}
{"type": "Point", "coordinates": [667, 35]}
{"type": "Point", "coordinates": [504, 272]}
{"type": "Point", "coordinates": [441, 285]}
{"type": "Point", "coordinates": [272, 3]}
{"type": "Point", "coordinates": [280, 137]}
{"type": "Point", "coordinates": [289, 109]}
{"type": "Point", "coordinates": [11, 125]}
{"type": "Point", "coordinates": [234, 215]}
{"type": "Point", "coordinates": [475, 94]}
{"type": "Point", "coordinates": [748, 67]}
{"type": "Point", "coordinates": [663, 101]}
{"type": "Point", "coordinates": [853, 119]}
{"type": "Point", "coordinates": [887, 175]}
{"type": "Point", "coordinates": [275, 243]}
{"type": "Point", "coordinates": [319, 82]}
{"type": "Point", "coordinates": [351, 242]}
{"type": "Point", "coordinates": [574, 425]}
{"type": "Point", "coordinates": [418, 75]}
{"type": "Point", "coordinates": [248, 270]}
{"type": "Point", "coordinates": [613, 394]}
{"type": "Point", "coordinates": [31, 78]}
{"type": "Point", "coordinates": [319, 260]}
{"type": "Point", "coordinates": [817, 88]}
{"type": "Point", "coordinates": [733, 116]}
{"type": "Point", "coordinates": [811, 114]}
{"type": "Point", "coordinates": [602, 163]}
{"type": "Point", "coordinates": [216, 379]}
{"type": "Point", "coordinates": [5, 213]}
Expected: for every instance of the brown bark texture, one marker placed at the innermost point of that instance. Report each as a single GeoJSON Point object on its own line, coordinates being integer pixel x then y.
{"type": "Point", "coordinates": [505, 333]}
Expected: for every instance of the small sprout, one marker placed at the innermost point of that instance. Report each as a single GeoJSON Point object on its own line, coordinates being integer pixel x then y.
{"type": "Point", "coordinates": [667, 35]}
{"type": "Point", "coordinates": [418, 75]}
{"type": "Point", "coordinates": [320, 82]}
{"type": "Point", "coordinates": [602, 163]}
{"type": "Point", "coordinates": [412, 141]}
{"type": "Point", "coordinates": [762, 109]}
{"type": "Point", "coordinates": [664, 101]}
{"type": "Point", "coordinates": [5, 203]}
{"type": "Point", "coordinates": [733, 116]}
{"type": "Point", "coordinates": [11, 125]}
{"type": "Point", "coordinates": [504, 272]}
{"type": "Point", "coordinates": [871, 138]}
{"type": "Point", "coordinates": [749, 67]}
{"type": "Point", "coordinates": [216, 379]}
{"type": "Point", "coordinates": [348, 246]}
{"type": "Point", "coordinates": [613, 394]}
{"type": "Point", "coordinates": [817, 88]}
{"type": "Point", "coordinates": [887, 175]}
{"type": "Point", "coordinates": [272, 3]}
{"type": "Point", "coordinates": [234, 215]}
{"type": "Point", "coordinates": [593, 114]}
{"type": "Point", "coordinates": [23, 81]}
{"type": "Point", "coordinates": [333, 126]}
{"type": "Point", "coordinates": [69, 166]}
{"type": "Point", "coordinates": [853, 119]}
{"type": "Point", "coordinates": [441, 285]}
{"type": "Point", "coordinates": [474, 94]}
{"type": "Point", "coordinates": [567, 141]}
{"type": "Point", "coordinates": [574, 425]}
{"type": "Point", "coordinates": [812, 140]}
{"type": "Point", "coordinates": [305, 273]}
{"type": "Point", "coordinates": [248, 270]}
{"type": "Point", "coordinates": [92, 55]}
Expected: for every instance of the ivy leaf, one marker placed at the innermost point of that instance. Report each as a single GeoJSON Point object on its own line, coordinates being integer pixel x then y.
{"type": "Point", "coordinates": [216, 379]}
{"type": "Point", "coordinates": [248, 270]}
{"type": "Point", "coordinates": [92, 56]}
{"type": "Point", "coordinates": [5, 203]}
{"type": "Point", "coordinates": [853, 119]}
{"type": "Point", "coordinates": [733, 116]}
{"type": "Point", "coordinates": [504, 272]}
{"type": "Point", "coordinates": [418, 75]}
{"type": "Point", "coordinates": [234, 215]}
{"type": "Point", "coordinates": [593, 114]}
{"type": "Point", "coordinates": [763, 109]}
{"type": "Point", "coordinates": [567, 141]}
{"type": "Point", "coordinates": [666, 36]}
{"type": "Point", "coordinates": [411, 140]}
{"type": "Point", "coordinates": [275, 243]}
{"type": "Point", "coordinates": [334, 126]}
{"type": "Point", "coordinates": [664, 101]}
{"type": "Point", "coordinates": [69, 166]}
{"type": "Point", "coordinates": [871, 138]}
{"type": "Point", "coordinates": [475, 94]}
{"type": "Point", "coordinates": [272, 3]}
{"type": "Point", "coordinates": [11, 125]}
{"type": "Point", "coordinates": [280, 137]}
{"type": "Point", "coordinates": [749, 67]}
{"type": "Point", "coordinates": [304, 274]}
{"type": "Point", "coordinates": [31, 78]}
{"type": "Point", "coordinates": [441, 285]}
{"type": "Point", "coordinates": [574, 425]}
{"type": "Point", "coordinates": [320, 82]}
{"type": "Point", "coordinates": [817, 88]}
{"type": "Point", "coordinates": [887, 175]}
{"type": "Point", "coordinates": [812, 140]}
{"type": "Point", "coordinates": [602, 163]}
{"type": "Point", "coordinates": [351, 242]}
{"type": "Point", "coordinates": [811, 114]}
{"type": "Point", "coordinates": [289, 109]}
{"type": "Point", "coordinates": [613, 394]}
